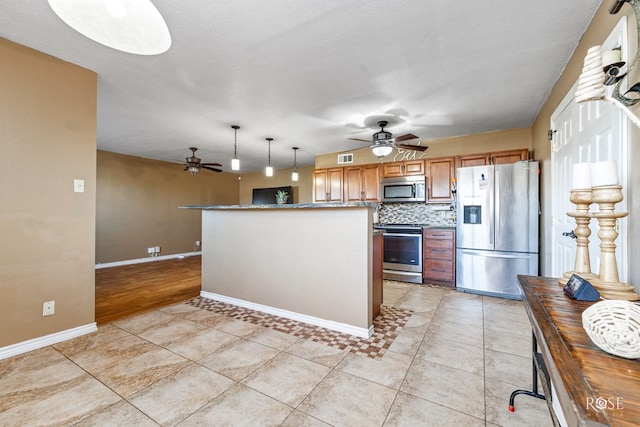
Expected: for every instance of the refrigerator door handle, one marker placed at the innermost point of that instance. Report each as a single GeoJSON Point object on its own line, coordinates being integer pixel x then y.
{"type": "Point", "coordinates": [492, 216]}
{"type": "Point", "coordinates": [496, 205]}
{"type": "Point", "coordinates": [486, 254]}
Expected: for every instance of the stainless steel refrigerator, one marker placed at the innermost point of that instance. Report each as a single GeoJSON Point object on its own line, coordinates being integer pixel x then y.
{"type": "Point", "coordinates": [497, 227]}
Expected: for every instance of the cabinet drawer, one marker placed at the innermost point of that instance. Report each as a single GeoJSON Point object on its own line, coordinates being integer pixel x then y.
{"type": "Point", "coordinates": [439, 249]}
{"type": "Point", "coordinates": [438, 270]}
{"type": "Point", "coordinates": [435, 233]}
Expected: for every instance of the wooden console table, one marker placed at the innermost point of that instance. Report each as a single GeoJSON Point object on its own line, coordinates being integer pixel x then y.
{"type": "Point", "coordinates": [592, 387]}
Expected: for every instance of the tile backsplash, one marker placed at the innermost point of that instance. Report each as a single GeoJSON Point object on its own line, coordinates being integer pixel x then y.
{"type": "Point", "coordinates": [416, 213]}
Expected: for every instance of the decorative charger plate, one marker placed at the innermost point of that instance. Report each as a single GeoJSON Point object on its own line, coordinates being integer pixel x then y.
{"type": "Point", "coordinates": [614, 326]}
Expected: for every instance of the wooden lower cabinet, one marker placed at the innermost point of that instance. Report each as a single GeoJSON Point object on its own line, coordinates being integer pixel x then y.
{"type": "Point", "coordinates": [439, 256]}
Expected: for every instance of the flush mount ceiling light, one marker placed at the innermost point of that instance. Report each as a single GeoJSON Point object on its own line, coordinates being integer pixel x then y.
{"type": "Point", "coordinates": [235, 162]}
{"type": "Point", "coordinates": [132, 26]}
{"type": "Point", "coordinates": [269, 169]}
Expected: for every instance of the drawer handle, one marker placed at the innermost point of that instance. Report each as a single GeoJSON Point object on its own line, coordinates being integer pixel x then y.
{"type": "Point", "coordinates": [438, 250]}
{"type": "Point", "coordinates": [438, 270]}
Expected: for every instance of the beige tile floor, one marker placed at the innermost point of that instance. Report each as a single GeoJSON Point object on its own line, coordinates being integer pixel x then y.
{"type": "Point", "coordinates": [454, 363]}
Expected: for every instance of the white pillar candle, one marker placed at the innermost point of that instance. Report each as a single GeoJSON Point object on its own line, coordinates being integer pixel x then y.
{"type": "Point", "coordinates": [581, 176]}
{"type": "Point", "coordinates": [604, 173]}
{"type": "Point", "coordinates": [611, 57]}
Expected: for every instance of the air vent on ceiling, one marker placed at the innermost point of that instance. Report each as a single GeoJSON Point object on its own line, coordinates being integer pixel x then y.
{"type": "Point", "coordinates": [344, 159]}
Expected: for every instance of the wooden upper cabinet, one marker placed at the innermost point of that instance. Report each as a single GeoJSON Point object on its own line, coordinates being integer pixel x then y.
{"type": "Point", "coordinates": [510, 156]}
{"type": "Point", "coordinates": [362, 183]}
{"type": "Point", "coordinates": [481, 159]}
{"type": "Point", "coordinates": [495, 158]}
{"type": "Point", "coordinates": [371, 183]}
{"type": "Point", "coordinates": [327, 185]}
{"type": "Point", "coordinates": [440, 172]}
{"type": "Point", "coordinates": [406, 168]}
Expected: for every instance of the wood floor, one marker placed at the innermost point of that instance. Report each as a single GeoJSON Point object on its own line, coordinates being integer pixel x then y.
{"type": "Point", "coordinates": [127, 290]}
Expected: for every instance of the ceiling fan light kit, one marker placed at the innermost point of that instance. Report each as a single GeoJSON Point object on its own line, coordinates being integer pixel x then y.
{"type": "Point", "coordinates": [132, 26]}
{"type": "Point", "coordinates": [235, 162]}
{"type": "Point", "coordinates": [381, 149]}
{"type": "Point", "coordinates": [193, 163]}
{"type": "Point", "coordinates": [384, 143]}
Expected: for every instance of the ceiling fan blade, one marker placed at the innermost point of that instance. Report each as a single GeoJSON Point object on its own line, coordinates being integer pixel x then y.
{"type": "Point", "coordinates": [210, 168]}
{"type": "Point", "coordinates": [412, 147]}
{"type": "Point", "coordinates": [406, 137]}
{"type": "Point", "coordinates": [210, 164]}
{"type": "Point", "coordinates": [359, 139]}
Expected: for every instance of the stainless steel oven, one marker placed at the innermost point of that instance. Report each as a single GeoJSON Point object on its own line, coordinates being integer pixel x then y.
{"type": "Point", "coordinates": [402, 252]}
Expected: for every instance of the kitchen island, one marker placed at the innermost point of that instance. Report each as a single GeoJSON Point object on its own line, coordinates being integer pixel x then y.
{"type": "Point", "coordinates": [312, 263]}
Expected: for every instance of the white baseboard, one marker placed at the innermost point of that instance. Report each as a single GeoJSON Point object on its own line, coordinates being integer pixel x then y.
{"type": "Point", "coordinates": [316, 321]}
{"type": "Point", "coordinates": [148, 259]}
{"type": "Point", "coordinates": [36, 343]}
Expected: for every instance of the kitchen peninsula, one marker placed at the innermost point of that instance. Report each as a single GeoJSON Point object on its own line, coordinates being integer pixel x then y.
{"type": "Point", "coordinates": [312, 263]}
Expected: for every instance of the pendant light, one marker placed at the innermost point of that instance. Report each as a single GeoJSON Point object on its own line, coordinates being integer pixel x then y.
{"type": "Point", "coordinates": [294, 174]}
{"type": "Point", "coordinates": [235, 163]}
{"type": "Point", "coordinates": [269, 169]}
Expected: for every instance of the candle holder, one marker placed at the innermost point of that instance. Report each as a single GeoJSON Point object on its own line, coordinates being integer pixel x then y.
{"type": "Point", "coordinates": [582, 200]}
{"type": "Point", "coordinates": [608, 282]}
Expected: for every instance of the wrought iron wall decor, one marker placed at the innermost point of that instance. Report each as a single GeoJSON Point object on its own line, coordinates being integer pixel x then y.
{"type": "Point", "coordinates": [596, 74]}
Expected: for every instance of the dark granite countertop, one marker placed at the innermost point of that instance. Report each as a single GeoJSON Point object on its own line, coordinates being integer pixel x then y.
{"type": "Point", "coordinates": [288, 206]}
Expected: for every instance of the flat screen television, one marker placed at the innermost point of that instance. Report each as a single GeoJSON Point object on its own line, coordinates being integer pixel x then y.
{"type": "Point", "coordinates": [267, 196]}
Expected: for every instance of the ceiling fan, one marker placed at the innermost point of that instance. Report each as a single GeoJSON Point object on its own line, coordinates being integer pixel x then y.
{"type": "Point", "coordinates": [193, 164]}
{"type": "Point", "coordinates": [383, 141]}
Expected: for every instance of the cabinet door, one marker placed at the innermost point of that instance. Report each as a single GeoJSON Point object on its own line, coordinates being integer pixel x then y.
{"type": "Point", "coordinates": [352, 184]}
{"type": "Point", "coordinates": [334, 185]}
{"type": "Point", "coordinates": [414, 167]}
{"type": "Point", "coordinates": [511, 156]}
{"type": "Point", "coordinates": [481, 159]}
{"type": "Point", "coordinates": [320, 185]}
{"type": "Point", "coordinates": [370, 183]}
{"type": "Point", "coordinates": [392, 170]}
{"type": "Point", "coordinates": [440, 172]}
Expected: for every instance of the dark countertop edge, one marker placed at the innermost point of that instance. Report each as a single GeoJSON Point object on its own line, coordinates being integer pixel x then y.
{"type": "Point", "coordinates": [287, 206]}
{"type": "Point", "coordinates": [430, 227]}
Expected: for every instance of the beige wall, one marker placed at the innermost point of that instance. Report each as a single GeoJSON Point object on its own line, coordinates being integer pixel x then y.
{"type": "Point", "coordinates": [47, 232]}
{"type": "Point", "coordinates": [137, 205]}
{"type": "Point", "coordinates": [469, 144]}
{"type": "Point", "coordinates": [601, 26]}
{"type": "Point", "coordinates": [302, 190]}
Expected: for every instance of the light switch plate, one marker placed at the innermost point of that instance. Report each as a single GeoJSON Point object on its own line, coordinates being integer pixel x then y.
{"type": "Point", "coordinates": [78, 185]}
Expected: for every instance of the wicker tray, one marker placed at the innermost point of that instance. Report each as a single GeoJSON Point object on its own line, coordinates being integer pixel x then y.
{"type": "Point", "coordinates": [614, 326]}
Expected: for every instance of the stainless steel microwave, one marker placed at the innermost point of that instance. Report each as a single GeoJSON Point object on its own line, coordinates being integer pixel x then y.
{"type": "Point", "coordinates": [403, 189]}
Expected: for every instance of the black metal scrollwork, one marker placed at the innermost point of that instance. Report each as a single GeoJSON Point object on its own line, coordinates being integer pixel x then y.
{"type": "Point", "coordinates": [614, 72]}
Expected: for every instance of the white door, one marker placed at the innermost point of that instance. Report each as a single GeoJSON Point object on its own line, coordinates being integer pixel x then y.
{"type": "Point", "coordinates": [587, 132]}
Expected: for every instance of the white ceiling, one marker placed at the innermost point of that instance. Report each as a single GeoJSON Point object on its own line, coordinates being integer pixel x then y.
{"type": "Point", "coordinates": [308, 73]}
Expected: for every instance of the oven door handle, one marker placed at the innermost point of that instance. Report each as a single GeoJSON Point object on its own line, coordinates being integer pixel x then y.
{"type": "Point", "coordinates": [403, 234]}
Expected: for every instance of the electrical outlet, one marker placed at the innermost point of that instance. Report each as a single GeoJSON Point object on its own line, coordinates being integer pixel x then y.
{"type": "Point", "coordinates": [48, 308]}
{"type": "Point", "coordinates": [157, 249]}
{"type": "Point", "coordinates": [150, 251]}
{"type": "Point", "coordinates": [197, 242]}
